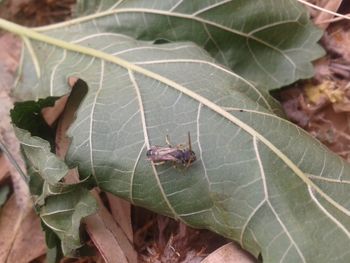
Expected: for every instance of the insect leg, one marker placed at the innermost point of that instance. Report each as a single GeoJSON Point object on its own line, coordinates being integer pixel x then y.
{"type": "Point", "coordinates": [167, 140]}
{"type": "Point", "coordinates": [158, 163]}
{"type": "Point", "coordinates": [188, 163]}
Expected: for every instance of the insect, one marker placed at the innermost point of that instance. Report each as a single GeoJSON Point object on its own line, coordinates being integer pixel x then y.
{"type": "Point", "coordinates": [179, 155]}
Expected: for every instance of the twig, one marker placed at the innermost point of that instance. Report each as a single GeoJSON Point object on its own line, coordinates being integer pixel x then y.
{"type": "Point", "coordinates": [324, 10]}
{"type": "Point", "coordinates": [13, 161]}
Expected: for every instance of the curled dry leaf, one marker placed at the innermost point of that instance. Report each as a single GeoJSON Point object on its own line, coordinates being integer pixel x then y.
{"type": "Point", "coordinates": [230, 253]}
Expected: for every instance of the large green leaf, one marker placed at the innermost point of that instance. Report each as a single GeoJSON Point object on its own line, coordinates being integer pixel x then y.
{"type": "Point", "coordinates": [270, 42]}
{"type": "Point", "coordinates": [258, 179]}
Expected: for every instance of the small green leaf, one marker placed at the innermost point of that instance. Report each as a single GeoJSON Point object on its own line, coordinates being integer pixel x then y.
{"type": "Point", "coordinates": [40, 159]}
{"type": "Point", "coordinates": [4, 191]}
{"type": "Point", "coordinates": [60, 206]}
{"type": "Point", "coordinates": [27, 115]}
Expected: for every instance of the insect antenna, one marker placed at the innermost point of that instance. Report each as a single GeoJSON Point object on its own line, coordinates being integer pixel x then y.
{"type": "Point", "coordinates": [190, 149]}
{"type": "Point", "coordinates": [167, 140]}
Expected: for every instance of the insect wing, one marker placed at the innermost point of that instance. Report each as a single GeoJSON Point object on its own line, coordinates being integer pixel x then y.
{"type": "Point", "coordinates": [161, 154]}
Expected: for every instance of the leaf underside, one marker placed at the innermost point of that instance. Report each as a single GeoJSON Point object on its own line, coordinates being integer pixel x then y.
{"type": "Point", "coordinates": [271, 43]}
{"type": "Point", "coordinates": [258, 179]}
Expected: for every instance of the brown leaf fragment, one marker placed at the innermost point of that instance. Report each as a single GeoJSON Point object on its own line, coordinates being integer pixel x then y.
{"type": "Point", "coordinates": [293, 104]}
{"type": "Point", "coordinates": [322, 19]}
{"type": "Point", "coordinates": [9, 57]}
{"type": "Point", "coordinates": [4, 170]}
{"type": "Point", "coordinates": [51, 114]}
{"type": "Point", "coordinates": [36, 13]}
{"type": "Point", "coordinates": [121, 212]}
{"type": "Point", "coordinates": [104, 240]}
{"type": "Point", "coordinates": [229, 253]}
{"type": "Point", "coordinates": [322, 68]}
{"type": "Point", "coordinates": [108, 237]}
{"type": "Point", "coordinates": [67, 115]}
{"type": "Point", "coordinates": [337, 40]}
{"type": "Point", "coordinates": [22, 239]}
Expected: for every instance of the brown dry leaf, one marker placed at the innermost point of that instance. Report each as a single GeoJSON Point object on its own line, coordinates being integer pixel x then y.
{"type": "Point", "coordinates": [10, 47]}
{"type": "Point", "coordinates": [22, 239]}
{"type": "Point", "coordinates": [51, 114]}
{"type": "Point", "coordinates": [36, 13]}
{"type": "Point", "coordinates": [229, 253]}
{"type": "Point", "coordinates": [338, 41]}
{"type": "Point", "coordinates": [121, 212]}
{"type": "Point", "coordinates": [108, 237]}
{"type": "Point", "coordinates": [321, 17]}
{"type": "Point", "coordinates": [322, 69]}
{"type": "Point", "coordinates": [67, 108]}
{"type": "Point", "coordinates": [4, 170]}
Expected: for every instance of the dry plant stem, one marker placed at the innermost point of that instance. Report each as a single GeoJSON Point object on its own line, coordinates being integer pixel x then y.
{"type": "Point", "coordinates": [331, 5]}
{"type": "Point", "coordinates": [229, 253]}
{"type": "Point", "coordinates": [324, 10]}
{"type": "Point", "coordinates": [333, 19]}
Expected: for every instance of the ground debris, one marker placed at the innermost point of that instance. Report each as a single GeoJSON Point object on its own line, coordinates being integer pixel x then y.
{"type": "Point", "coordinates": [36, 13]}
{"type": "Point", "coordinates": [158, 238]}
{"type": "Point", "coordinates": [322, 105]}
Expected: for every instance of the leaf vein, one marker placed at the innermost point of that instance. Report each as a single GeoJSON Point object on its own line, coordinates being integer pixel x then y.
{"type": "Point", "coordinates": [145, 133]}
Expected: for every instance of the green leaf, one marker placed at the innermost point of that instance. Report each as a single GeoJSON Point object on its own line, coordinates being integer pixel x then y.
{"type": "Point", "coordinates": [4, 191]}
{"type": "Point", "coordinates": [60, 206]}
{"type": "Point", "coordinates": [42, 161]}
{"type": "Point", "coordinates": [268, 42]}
{"type": "Point", "coordinates": [28, 116]}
